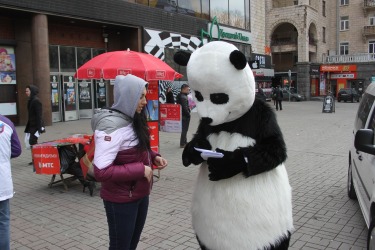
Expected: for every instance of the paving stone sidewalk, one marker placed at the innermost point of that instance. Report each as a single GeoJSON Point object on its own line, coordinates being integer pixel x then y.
{"type": "Point", "coordinates": [324, 217]}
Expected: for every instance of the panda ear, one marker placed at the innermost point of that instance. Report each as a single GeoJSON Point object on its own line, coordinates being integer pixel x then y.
{"type": "Point", "coordinates": [182, 57]}
{"type": "Point", "coordinates": [238, 59]}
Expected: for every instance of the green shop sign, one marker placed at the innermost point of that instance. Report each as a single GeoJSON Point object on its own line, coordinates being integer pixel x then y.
{"type": "Point", "coordinates": [225, 33]}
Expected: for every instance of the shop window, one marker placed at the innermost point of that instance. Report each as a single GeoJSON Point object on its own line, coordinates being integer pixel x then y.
{"type": "Point", "coordinates": [83, 55]}
{"type": "Point", "coordinates": [237, 14]}
{"type": "Point", "coordinates": [219, 8]}
{"type": "Point", "coordinates": [190, 7]}
{"type": "Point", "coordinates": [206, 9]}
{"type": "Point", "coordinates": [54, 58]}
{"type": "Point", "coordinates": [68, 59]}
{"type": "Point", "coordinates": [344, 23]}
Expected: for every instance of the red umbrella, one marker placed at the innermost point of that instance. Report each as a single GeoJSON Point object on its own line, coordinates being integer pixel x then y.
{"type": "Point", "coordinates": [109, 65]}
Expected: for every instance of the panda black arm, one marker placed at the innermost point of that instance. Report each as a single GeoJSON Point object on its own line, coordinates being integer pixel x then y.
{"type": "Point", "coordinates": [190, 155]}
{"type": "Point", "coordinates": [269, 150]}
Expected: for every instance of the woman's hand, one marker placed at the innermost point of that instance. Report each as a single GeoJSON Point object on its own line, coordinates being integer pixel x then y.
{"type": "Point", "coordinates": [148, 173]}
{"type": "Point", "coordinates": [160, 162]}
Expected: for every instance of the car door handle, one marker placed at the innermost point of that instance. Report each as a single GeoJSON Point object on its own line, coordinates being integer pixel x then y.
{"type": "Point", "coordinates": [360, 157]}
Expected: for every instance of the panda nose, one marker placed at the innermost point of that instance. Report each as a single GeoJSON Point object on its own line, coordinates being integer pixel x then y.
{"type": "Point", "coordinates": [206, 120]}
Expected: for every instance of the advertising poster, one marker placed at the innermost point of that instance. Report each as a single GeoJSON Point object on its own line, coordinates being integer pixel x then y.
{"type": "Point", "coordinates": [7, 65]}
{"type": "Point", "coordinates": [55, 97]}
{"type": "Point", "coordinates": [152, 110]}
{"type": "Point", "coordinates": [71, 98]}
{"type": "Point", "coordinates": [322, 85]}
{"type": "Point", "coordinates": [170, 118]}
{"type": "Point", "coordinates": [8, 77]}
{"type": "Point", "coordinates": [46, 159]}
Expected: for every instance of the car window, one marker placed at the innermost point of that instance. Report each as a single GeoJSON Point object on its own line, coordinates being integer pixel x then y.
{"type": "Point", "coordinates": [363, 111]}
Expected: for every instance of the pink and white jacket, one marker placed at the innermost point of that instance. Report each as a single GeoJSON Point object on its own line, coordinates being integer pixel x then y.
{"type": "Point", "coordinates": [118, 163]}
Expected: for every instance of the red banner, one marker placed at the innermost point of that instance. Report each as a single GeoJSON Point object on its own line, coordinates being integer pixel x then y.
{"type": "Point", "coordinates": [46, 159]}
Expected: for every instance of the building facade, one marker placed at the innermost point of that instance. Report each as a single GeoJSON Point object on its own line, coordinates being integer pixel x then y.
{"type": "Point", "coordinates": [325, 45]}
{"type": "Point", "coordinates": [44, 44]}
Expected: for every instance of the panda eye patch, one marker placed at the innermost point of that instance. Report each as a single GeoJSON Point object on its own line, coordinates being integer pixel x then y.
{"type": "Point", "coordinates": [219, 98]}
{"type": "Point", "coordinates": [199, 96]}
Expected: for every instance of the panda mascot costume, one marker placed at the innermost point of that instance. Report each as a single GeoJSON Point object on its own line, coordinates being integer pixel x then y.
{"type": "Point", "coordinates": [242, 200]}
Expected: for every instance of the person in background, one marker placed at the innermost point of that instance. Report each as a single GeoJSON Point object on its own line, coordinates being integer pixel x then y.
{"type": "Point", "coordinates": [123, 161]}
{"type": "Point", "coordinates": [34, 124]}
{"type": "Point", "coordinates": [279, 98]}
{"type": "Point", "coordinates": [169, 96]}
{"type": "Point", "coordinates": [182, 99]}
{"type": "Point", "coordinates": [10, 147]}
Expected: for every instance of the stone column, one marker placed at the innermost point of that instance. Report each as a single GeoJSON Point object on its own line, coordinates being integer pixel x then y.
{"type": "Point", "coordinates": [303, 79]}
{"type": "Point", "coordinates": [41, 69]}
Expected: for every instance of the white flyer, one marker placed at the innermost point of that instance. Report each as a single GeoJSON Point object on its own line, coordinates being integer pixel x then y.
{"type": "Point", "coordinates": [205, 154]}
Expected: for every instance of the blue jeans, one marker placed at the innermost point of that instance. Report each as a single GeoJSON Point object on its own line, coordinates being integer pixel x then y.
{"type": "Point", "coordinates": [4, 225]}
{"type": "Point", "coordinates": [125, 223]}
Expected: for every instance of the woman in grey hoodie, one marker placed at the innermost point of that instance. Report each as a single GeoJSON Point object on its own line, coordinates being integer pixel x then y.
{"type": "Point", "coordinates": [123, 161]}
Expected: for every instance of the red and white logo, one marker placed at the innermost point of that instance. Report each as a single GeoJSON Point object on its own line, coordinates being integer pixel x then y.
{"type": "Point", "coordinates": [160, 74]}
{"type": "Point", "coordinates": [90, 72]}
{"type": "Point", "coordinates": [124, 71]}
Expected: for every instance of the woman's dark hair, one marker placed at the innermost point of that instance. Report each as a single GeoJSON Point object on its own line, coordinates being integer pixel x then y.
{"type": "Point", "coordinates": [141, 130]}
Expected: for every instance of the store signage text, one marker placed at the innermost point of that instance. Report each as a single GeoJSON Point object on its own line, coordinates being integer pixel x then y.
{"type": "Point", "coordinates": [338, 68]}
{"type": "Point", "coordinates": [348, 76]}
{"type": "Point", "coordinates": [225, 33]}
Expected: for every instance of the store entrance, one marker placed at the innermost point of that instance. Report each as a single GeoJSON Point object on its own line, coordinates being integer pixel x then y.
{"type": "Point", "coordinates": [73, 99]}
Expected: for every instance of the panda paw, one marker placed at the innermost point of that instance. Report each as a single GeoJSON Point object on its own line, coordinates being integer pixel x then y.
{"type": "Point", "coordinates": [192, 156]}
{"type": "Point", "coordinates": [230, 165]}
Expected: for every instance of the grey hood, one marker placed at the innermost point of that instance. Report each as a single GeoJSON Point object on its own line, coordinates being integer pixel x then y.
{"type": "Point", "coordinates": [127, 92]}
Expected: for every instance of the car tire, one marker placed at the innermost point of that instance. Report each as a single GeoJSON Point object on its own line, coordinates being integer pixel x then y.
{"type": "Point", "coordinates": [293, 99]}
{"type": "Point", "coordinates": [371, 236]}
{"type": "Point", "coordinates": [351, 192]}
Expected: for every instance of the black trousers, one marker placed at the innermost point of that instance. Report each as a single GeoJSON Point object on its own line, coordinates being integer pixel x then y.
{"type": "Point", "coordinates": [185, 127]}
{"type": "Point", "coordinates": [279, 103]}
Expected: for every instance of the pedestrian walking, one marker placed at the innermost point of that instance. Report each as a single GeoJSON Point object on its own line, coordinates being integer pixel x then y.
{"type": "Point", "coordinates": [182, 99]}
{"type": "Point", "coordinates": [123, 161]}
{"type": "Point", "coordinates": [169, 96]}
{"type": "Point", "coordinates": [10, 147]}
{"type": "Point", "coordinates": [279, 98]}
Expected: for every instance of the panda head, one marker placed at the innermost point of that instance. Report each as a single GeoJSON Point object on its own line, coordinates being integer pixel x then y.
{"type": "Point", "coordinates": [221, 81]}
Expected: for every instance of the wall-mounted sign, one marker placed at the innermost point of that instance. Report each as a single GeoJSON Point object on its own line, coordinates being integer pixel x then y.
{"type": "Point", "coordinates": [339, 68]}
{"type": "Point", "coordinates": [220, 32]}
{"type": "Point", "coordinates": [264, 60]}
{"type": "Point", "coordinates": [347, 76]}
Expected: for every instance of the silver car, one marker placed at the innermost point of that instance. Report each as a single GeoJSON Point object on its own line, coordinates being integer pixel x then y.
{"type": "Point", "coordinates": [361, 171]}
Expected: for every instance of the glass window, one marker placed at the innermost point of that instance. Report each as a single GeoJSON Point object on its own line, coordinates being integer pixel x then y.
{"type": "Point", "coordinates": [96, 52]}
{"type": "Point", "coordinates": [344, 48]}
{"type": "Point", "coordinates": [206, 9]}
{"type": "Point", "coordinates": [237, 13]}
{"type": "Point", "coordinates": [344, 2]}
{"type": "Point", "coordinates": [324, 8]}
{"type": "Point", "coordinates": [68, 59]}
{"type": "Point", "coordinates": [371, 47]}
{"type": "Point", "coordinates": [363, 111]}
{"type": "Point", "coordinates": [219, 8]}
{"type": "Point", "coordinates": [344, 23]}
{"type": "Point", "coordinates": [54, 58]}
{"type": "Point", "coordinates": [324, 34]}
{"type": "Point", "coordinates": [372, 20]}
{"type": "Point", "coordinates": [167, 5]}
{"type": "Point", "coordinates": [190, 7]}
{"type": "Point", "coordinates": [247, 16]}
{"type": "Point", "coordinates": [83, 55]}
{"type": "Point", "coordinates": [144, 2]}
